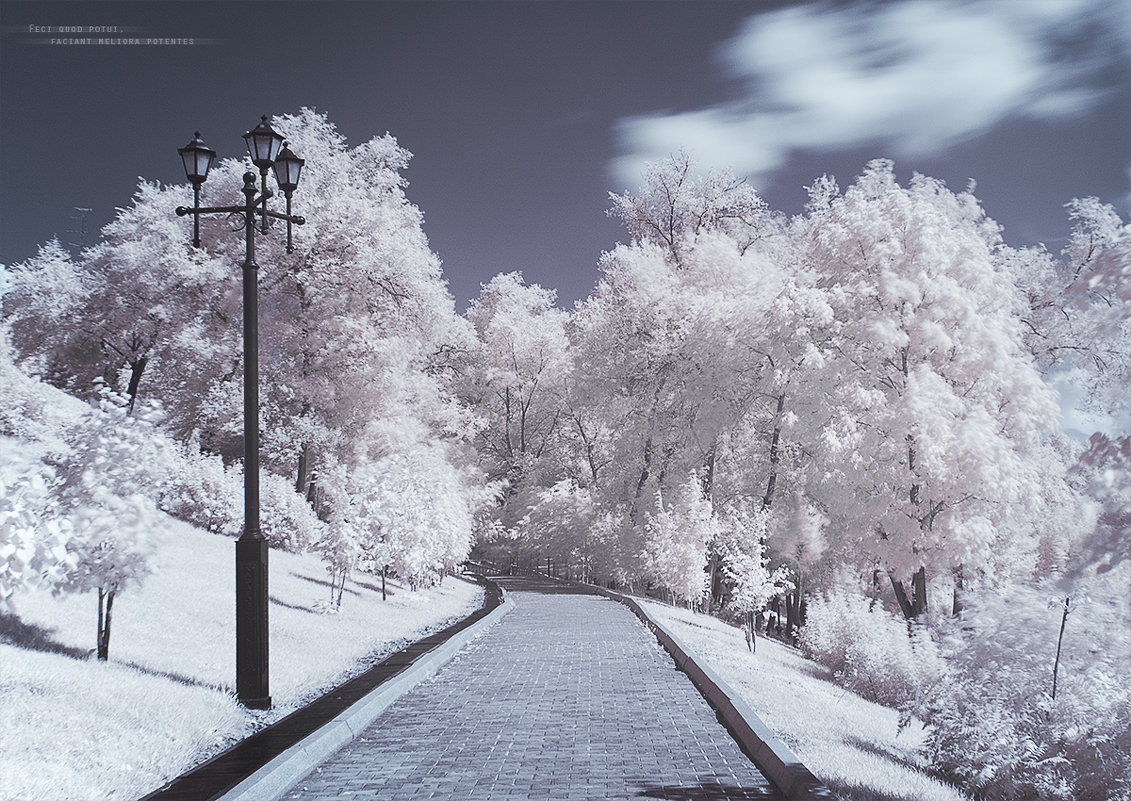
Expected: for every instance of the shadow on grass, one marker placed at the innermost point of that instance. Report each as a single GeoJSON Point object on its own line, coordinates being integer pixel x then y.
{"type": "Point", "coordinates": [179, 678]}
{"type": "Point", "coordinates": [14, 631]}
{"type": "Point", "coordinates": [883, 753]}
{"type": "Point", "coordinates": [35, 638]}
{"type": "Point", "coordinates": [851, 791]}
{"type": "Point", "coordinates": [295, 607]}
{"type": "Point", "coordinates": [389, 591]}
{"type": "Point", "coordinates": [323, 582]}
{"type": "Point", "coordinates": [855, 792]}
{"type": "Point", "coordinates": [706, 791]}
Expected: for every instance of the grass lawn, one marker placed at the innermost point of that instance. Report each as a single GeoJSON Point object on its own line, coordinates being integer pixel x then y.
{"type": "Point", "coordinates": [853, 745]}
{"type": "Point", "coordinates": [74, 728]}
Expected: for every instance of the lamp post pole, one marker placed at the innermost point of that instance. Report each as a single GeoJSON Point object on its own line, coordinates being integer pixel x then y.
{"type": "Point", "coordinates": [251, 548]}
{"type": "Point", "coordinates": [252, 687]}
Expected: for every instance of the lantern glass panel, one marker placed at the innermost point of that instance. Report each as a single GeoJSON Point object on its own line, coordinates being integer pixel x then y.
{"type": "Point", "coordinates": [288, 167]}
{"type": "Point", "coordinates": [204, 161]}
{"type": "Point", "coordinates": [197, 159]}
{"type": "Point", "coordinates": [263, 144]}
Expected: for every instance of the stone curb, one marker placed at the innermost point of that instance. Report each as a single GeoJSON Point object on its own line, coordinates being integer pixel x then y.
{"type": "Point", "coordinates": [277, 777]}
{"type": "Point", "coordinates": [781, 766]}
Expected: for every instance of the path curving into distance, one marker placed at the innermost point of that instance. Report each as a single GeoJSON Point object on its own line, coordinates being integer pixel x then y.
{"type": "Point", "coordinates": [568, 696]}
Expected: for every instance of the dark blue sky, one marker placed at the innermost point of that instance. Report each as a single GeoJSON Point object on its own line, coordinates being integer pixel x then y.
{"type": "Point", "coordinates": [523, 115]}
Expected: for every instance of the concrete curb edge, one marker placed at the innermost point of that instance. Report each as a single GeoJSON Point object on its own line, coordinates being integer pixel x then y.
{"type": "Point", "coordinates": [771, 755]}
{"type": "Point", "coordinates": [272, 781]}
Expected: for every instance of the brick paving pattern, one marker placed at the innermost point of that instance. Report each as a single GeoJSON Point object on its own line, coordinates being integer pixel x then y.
{"type": "Point", "coordinates": [567, 697]}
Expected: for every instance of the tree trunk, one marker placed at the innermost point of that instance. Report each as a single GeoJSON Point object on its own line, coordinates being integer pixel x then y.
{"type": "Point", "coordinates": [712, 580]}
{"type": "Point", "coordinates": [645, 472]}
{"type": "Point", "coordinates": [917, 604]}
{"type": "Point", "coordinates": [919, 587]}
{"type": "Point", "coordinates": [104, 623]}
{"type": "Point", "coordinates": [956, 606]}
{"type": "Point", "coordinates": [384, 571]}
{"type": "Point", "coordinates": [137, 367]}
{"type": "Point", "coordinates": [303, 465]}
{"type": "Point", "coordinates": [708, 481]}
{"type": "Point", "coordinates": [1059, 641]}
{"type": "Point", "coordinates": [101, 621]}
{"type": "Point", "coordinates": [106, 631]}
{"type": "Point", "coordinates": [775, 454]}
{"type": "Point", "coordinates": [789, 615]}
{"type": "Point", "coordinates": [312, 494]}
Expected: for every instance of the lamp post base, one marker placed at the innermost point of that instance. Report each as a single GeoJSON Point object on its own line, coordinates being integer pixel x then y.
{"type": "Point", "coordinates": [256, 703]}
{"type": "Point", "coordinates": [251, 622]}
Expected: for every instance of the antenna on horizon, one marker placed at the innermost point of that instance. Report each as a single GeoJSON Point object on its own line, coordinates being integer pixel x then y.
{"type": "Point", "coordinates": [77, 232]}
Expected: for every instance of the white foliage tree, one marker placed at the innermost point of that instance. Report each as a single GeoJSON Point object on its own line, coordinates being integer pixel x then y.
{"type": "Point", "coordinates": [412, 513]}
{"type": "Point", "coordinates": [33, 537]}
{"type": "Point", "coordinates": [365, 333]}
{"type": "Point", "coordinates": [676, 540]}
{"type": "Point", "coordinates": [741, 545]}
{"type": "Point", "coordinates": [111, 481]}
{"type": "Point", "coordinates": [141, 302]}
{"type": "Point", "coordinates": [1076, 318]}
{"type": "Point", "coordinates": [1105, 470]}
{"type": "Point", "coordinates": [518, 384]}
{"type": "Point", "coordinates": [936, 411]}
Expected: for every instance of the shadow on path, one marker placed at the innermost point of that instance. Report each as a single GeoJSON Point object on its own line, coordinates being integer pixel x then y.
{"type": "Point", "coordinates": [707, 791]}
{"type": "Point", "coordinates": [540, 584]}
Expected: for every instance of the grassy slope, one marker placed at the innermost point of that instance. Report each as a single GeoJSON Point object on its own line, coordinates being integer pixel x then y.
{"type": "Point", "coordinates": [71, 728]}
{"type": "Point", "coordinates": [853, 745]}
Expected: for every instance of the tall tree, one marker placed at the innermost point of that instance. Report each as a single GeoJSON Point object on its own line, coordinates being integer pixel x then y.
{"type": "Point", "coordinates": [519, 383]}
{"type": "Point", "coordinates": [936, 411]}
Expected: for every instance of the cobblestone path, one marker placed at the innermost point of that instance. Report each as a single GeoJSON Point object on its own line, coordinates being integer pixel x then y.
{"type": "Point", "coordinates": [568, 696]}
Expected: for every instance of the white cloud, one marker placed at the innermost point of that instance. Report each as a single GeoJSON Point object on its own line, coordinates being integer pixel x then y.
{"type": "Point", "coordinates": [917, 76]}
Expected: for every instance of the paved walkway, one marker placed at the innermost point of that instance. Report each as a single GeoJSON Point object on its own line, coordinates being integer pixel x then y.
{"type": "Point", "coordinates": [567, 697]}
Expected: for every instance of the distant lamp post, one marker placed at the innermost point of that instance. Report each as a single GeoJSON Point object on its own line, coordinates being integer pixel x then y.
{"type": "Point", "coordinates": [264, 146]}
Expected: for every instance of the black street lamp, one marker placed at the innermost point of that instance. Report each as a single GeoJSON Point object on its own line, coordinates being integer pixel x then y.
{"type": "Point", "coordinates": [197, 160]}
{"type": "Point", "coordinates": [287, 168]}
{"type": "Point", "coordinates": [263, 144]}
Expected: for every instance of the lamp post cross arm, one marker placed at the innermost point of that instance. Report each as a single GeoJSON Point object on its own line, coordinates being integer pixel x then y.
{"type": "Point", "coordinates": [297, 219]}
{"type": "Point", "coordinates": [183, 211]}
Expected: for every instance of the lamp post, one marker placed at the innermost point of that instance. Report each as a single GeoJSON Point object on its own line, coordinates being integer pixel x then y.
{"type": "Point", "coordinates": [263, 146]}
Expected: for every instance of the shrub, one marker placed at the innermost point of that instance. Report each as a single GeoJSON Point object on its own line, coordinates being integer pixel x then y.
{"type": "Point", "coordinates": [206, 494]}
{"type": "Point", "coordinates": [995, 725]}
{"type": "Point", "coordinates": [871, 651]}
{"type": "Point", "coordinates": [209, 495]}
{"type": "Point", "coordinates": [286, 518]}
